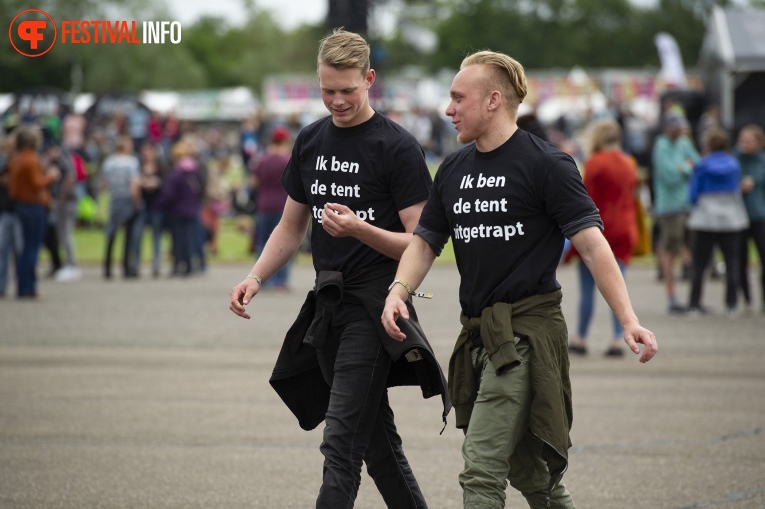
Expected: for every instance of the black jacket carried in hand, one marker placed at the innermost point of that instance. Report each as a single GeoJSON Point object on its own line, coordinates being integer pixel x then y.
{"type": "Point", "coordinates": [297, 377]}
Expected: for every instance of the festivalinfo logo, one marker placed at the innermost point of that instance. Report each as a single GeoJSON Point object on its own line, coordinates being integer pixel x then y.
{"type": "Point", "coordinates": [33, 32]}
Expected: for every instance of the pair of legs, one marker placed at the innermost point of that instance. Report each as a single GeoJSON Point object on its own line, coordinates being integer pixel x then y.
{"type": "Point", "coordinates": [10, 246]}
{"type": "Point", "coordinates": [66, 217]}
{"type": "Point", "coordinates": [33, 224]}
{"type": "Point", "coordinates": [672, 242]}
{"type": "Point", "coordinates": [730, 245]}
{"type": "Point", "coordinates": [587, 306]}
{"type": "Point", "coordinates": [185, 233]}
{"type": "Point", "coordinates": [359, 422]}
{"type": "Point", "coordinates": [122, 214]}
{"type": "Point", "coordinates": [498, 445]}
{"type": "Point", "coordinates": [756, 231]}
{"type": "Point", "coordinates": [265, 223]}
{"type": "Point", "coordinates": [153, 219]}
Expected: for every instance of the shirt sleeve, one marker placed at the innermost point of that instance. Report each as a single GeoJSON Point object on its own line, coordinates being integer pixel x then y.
{"type": "Point", "coordinates": [410, 180]}
{"type": "Point", "coordinates": [433, 226]}
{"type": "Point", "coordinates": [567, 201]}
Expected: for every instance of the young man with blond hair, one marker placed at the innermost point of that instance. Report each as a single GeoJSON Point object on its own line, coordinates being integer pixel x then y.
{"type": "Point", "coordinates": [508, 200]}
{"type": "Point", "coordinates": [362, 181]}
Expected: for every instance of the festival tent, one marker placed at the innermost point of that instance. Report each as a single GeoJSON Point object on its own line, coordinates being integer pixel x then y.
{"type": "Point", "coordinates": [732, 63]}
{"type": "Point", "coordinates": [108, 104]}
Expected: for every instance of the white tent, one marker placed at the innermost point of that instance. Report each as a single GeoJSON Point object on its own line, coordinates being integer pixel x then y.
{"type": "Point", "coordinates": [732, 62]}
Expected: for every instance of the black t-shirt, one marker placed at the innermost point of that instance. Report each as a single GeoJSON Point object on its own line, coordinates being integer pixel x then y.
{"type": "Point", "coordinates": [507, 212]}
{"type": "Point", "coordinates": [375, 168]}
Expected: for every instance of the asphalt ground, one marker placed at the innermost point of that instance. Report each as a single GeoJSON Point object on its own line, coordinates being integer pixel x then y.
{"type": "Point", "coordinates": [152, 394]}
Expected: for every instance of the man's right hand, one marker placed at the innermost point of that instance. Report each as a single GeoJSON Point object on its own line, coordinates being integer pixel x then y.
{"type": "Point", "coordinates": [241, 295]}
{"type": "Point", "coordinates": [394, 307]}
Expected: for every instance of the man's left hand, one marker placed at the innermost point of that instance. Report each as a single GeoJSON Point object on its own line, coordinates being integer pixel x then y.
{"type": "Point", "coordinates": [637, 334]}
{"type": "Point", "coordinates": [339, 221]}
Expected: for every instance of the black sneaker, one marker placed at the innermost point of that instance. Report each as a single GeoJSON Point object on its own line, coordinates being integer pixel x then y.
{"type": "Point", "coordinates": [677, 309]}
{"type": "Point", "coordinates": [614, 351]}
{"type": "Point", "coordinates": [577, 349]}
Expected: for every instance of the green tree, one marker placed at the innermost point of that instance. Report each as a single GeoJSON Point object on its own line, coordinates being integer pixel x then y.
{"type": "Point", "coordinates": [559, 33]}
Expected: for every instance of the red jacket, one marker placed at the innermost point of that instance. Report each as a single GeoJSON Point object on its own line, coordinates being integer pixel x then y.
{"type": "Point", "coordinates": [610, 177]}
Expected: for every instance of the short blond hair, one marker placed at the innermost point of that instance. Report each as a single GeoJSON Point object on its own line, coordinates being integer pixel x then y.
{"type": "Point", "coordinates": [604, 133]}
{"type": "Point", "coordinates": [181, 149]}
{"type": "Point", "coordinates": [506, 76]}
{"type": "Point", "coordinates": [125, 144]}
{"type": "Point", "coordinates": [344, 50]}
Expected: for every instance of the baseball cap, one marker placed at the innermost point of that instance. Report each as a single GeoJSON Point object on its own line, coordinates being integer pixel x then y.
{"type": "Point", "coordinates": [280, 135]}
{"type": "Point", "coordinates": [675, 121]}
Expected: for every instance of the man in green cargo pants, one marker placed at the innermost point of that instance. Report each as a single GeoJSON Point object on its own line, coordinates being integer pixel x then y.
{"type": "Point", "coordinates": [508, 200]}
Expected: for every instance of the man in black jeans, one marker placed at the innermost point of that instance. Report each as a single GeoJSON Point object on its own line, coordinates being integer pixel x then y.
{"type": "Point", "coordinates": [363, 181]}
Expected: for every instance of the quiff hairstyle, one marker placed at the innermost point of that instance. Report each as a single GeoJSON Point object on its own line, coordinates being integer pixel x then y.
{"type": "Point", "coordinates": [604, 133]}
{"type": "Point", "coordinates": [506, 76]}
{"type": "Point", "coordinates": [344, 50]}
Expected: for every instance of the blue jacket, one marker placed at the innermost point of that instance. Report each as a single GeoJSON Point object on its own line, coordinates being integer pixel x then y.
{"type": "Point", "coordinates": [718, 172]}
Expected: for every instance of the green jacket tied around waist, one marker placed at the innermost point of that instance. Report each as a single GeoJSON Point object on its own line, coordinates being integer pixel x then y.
{"type": "Point", "coordinates": [538, 318]}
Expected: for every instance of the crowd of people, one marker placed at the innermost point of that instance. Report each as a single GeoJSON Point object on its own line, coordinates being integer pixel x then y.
{"type": "Point", "coordinates": [163, 175]}
{"type": "Point", "coordinates": [165, 178]}
{"type": "Point", "coordinates": [358, 184]}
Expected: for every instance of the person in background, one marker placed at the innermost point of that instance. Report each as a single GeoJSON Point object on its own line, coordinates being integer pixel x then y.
{"type": "Point", "coordinates": [120, 176]}
{"type": "Point", "coordinates": [138, 126]}
{"type": "Point", "coordinates": [150, 180]}
{"type": "Point", "coordinates": [50, 159]}
{"type": "Point", "coordinates": [610, 177]}
{"type": "Point", "coordinates": [750, 152]}
{"type": "Point", "coordinates": [65, 206]}
{"type": "Point", "coordinates": [248, 140]}
{"type": "Point", "coordinates": [271, 197]}
{"type": "Point", "coordinates": [673, 158]}
{"type": "Point", "coordinates": [10, 228]}
{"type": "Point", "coordinates": [180, 199]}
{"type": "Point", "coordinates": [218, 197]}
{"type": "Point", "coordinates": [718, 217]}
{"type": "Point", "coordinates": [28, 187]}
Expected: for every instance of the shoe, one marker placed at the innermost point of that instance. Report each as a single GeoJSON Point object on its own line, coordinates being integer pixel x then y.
{"type": "Point", "coordinates": [69, 273]}
{"type": "Point", "coordinates": [697, 311]}
{"type": "Point", "coordinates": [614, 351]}
{"type": "Point", "coordinates": [731, 313]}
{"type": "Point", "coordinates": [31, 298]}
{"type": "Point", "coordinates": [677, 309]}
{"type": "Point", "coordinates": [577, 349]}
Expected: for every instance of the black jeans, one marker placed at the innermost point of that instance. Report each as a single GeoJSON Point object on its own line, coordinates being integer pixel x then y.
{"type": "Point", "coordinates": [757, 232]}
{"type": "Point", "coordinates": [702, 251]}
{"type": "Point", "coordinates": [359, 422]}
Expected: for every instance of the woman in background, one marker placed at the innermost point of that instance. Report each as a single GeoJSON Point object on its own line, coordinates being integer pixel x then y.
{"type": "Point", "coordinates": [28, 188]}
{"type": "Point", "coordinates": [610, 177]}
{"type": "Point", "coordinates": [180, 199]}
{"type": "Point", "coordinates": [751, 157]}
{"type": "Point", "coordinates": [718, 217]}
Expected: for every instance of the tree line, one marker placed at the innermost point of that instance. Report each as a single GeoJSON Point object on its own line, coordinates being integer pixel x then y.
{"type": "Point", "coordinates": [541, 34]}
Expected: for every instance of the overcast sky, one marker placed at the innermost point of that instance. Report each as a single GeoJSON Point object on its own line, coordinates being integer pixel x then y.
{"type": "Point", "coordinates": [289, 13]}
